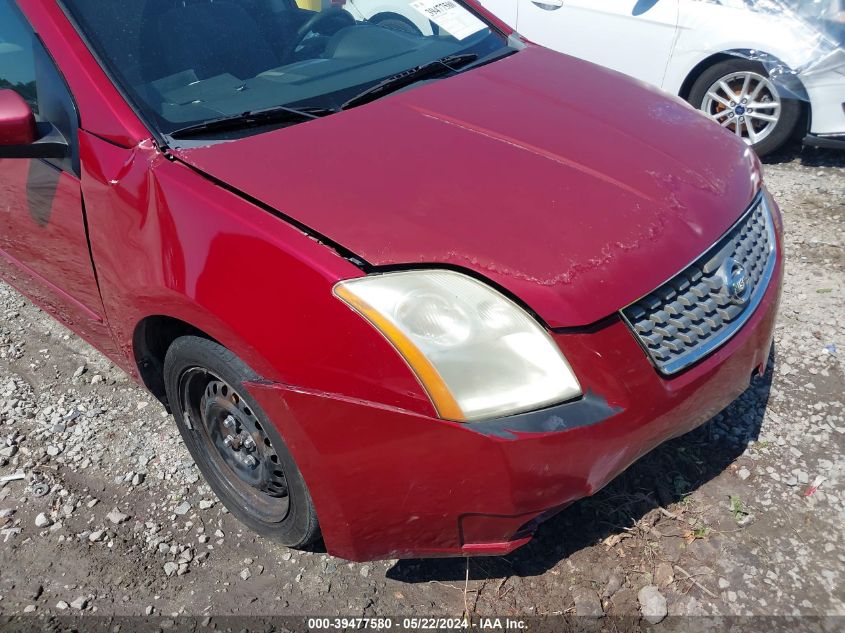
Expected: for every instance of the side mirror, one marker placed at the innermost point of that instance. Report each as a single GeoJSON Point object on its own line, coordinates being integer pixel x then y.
{"type": "Point", "coordinates": [21, 136]}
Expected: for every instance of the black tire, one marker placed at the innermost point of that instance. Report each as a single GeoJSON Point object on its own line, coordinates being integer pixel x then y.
{"type": "Point", "coordinates": [395, 22]}
{"type": "Point", "coordinates": [790, 112]}
{"type": "Point", "coordinates": [193, 368]}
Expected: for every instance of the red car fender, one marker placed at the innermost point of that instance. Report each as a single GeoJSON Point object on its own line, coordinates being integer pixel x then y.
{"type": "Point", "coordinates": [167, 241]}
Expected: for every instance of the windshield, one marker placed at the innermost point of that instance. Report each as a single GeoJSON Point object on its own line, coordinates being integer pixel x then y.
{"type": "Point", "coordinates": [185, 62]}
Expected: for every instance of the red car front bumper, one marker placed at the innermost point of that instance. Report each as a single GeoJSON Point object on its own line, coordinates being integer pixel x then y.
{"type": "Point", "coordinates": [392, 484]}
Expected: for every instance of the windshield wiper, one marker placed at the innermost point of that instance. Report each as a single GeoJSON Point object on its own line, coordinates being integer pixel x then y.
{"type": "Point", "coordinates": [252, 118]}
{"type": "Point", "coordinates": [443, 66]}
{"type": "Point", "coordinates": [491, 57]}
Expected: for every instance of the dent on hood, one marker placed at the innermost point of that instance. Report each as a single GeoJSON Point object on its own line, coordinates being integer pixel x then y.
{"type": "Point", "coordinates": [641, 235]}
{"type": "Point", "coordinates": [670, 184]}
{"type": "Point", "coordinates": [815, 30]}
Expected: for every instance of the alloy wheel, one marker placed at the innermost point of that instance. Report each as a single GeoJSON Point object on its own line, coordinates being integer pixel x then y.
{"type": "Point", "coordinates": [747, 103]}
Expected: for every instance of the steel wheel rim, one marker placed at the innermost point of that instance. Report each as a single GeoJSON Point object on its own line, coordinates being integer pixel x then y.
{"type": "Point", "coordinates": [239, 448]}
{"type": "Point", "coordinates": [746, 103]}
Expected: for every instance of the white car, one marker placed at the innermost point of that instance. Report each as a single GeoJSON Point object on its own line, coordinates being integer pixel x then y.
{"type": "Point", "coordinates": [384, 14]}
{"type": "Point", "coordinates": [759, 68]}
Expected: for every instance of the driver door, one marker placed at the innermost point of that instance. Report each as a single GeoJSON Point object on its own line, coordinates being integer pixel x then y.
{"type": "Point", "coordinates": [43, 238]}
{"type": "Point", "coordinates": [635, 37]}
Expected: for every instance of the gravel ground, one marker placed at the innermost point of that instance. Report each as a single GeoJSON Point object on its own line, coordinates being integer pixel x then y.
{"type": "Point", "coordinates": [743, 516]}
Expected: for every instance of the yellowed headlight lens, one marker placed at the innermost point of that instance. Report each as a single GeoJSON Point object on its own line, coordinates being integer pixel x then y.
{"type": "Point", "coordinates": [428, 376]}
{"type": "Point", "coordinates": [477, 353]}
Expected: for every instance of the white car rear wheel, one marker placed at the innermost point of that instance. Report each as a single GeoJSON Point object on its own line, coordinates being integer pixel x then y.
{"type": "Point", "coordinates": [740, 96]}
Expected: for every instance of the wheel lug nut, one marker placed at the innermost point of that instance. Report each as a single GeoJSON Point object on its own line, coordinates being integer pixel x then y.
{"type": "Point", "coordinates": [229, 422]}
{"type": "Point", "coordinates": [741, 119]}
{"type": "Point", "coordinates": [733, 103]}
{"type": "Point", "coordinates": [250, 461]}
{"type": "Point", "coordinates": [248, 443]}
{"type": "Point", "coordinates": [228, 441]}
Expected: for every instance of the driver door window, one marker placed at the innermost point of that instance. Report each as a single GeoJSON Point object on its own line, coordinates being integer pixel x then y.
{"type": "Point", "coordinates": [43, 241]}
{"type": "Point", "coordinates": [17, 67]}
{"type": "Point", "coordinates": [26, 68]}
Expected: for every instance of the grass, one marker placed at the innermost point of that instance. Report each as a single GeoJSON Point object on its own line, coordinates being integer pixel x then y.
{"type": "Point", "coordinates": [738, 509]}
{"type": "Point", "coordinates": [701, 531]}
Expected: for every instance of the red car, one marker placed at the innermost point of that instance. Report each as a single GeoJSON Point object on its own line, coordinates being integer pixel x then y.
{"type": "Point", "coordinates": [413, 292]}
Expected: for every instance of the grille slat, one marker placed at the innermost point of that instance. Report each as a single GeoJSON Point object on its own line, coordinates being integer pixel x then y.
{"type": "Point", "coordinates": [695, 312]}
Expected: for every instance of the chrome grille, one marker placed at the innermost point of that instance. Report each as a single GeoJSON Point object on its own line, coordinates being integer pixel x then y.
{"type": "Point", "coordinates": [703, 306]}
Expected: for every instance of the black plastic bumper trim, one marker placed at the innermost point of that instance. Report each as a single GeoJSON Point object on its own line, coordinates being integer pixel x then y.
{"type": "Point", "coordinates": [586, 411]}
{"type": "Point", "coordinates": [827, 142]}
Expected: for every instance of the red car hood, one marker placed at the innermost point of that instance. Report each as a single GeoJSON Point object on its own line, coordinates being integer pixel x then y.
{"type": "Point", "coordinates": [575, 188]}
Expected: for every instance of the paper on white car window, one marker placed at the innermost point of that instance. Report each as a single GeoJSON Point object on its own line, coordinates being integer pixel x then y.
{"type": "Point", "coordinates": [450, 16]}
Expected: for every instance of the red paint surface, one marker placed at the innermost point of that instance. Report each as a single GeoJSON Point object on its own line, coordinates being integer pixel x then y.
{"type": "Point", "coordinates": [407, 482]}
{"type": "Point", "coordinates": [101, 108]}
{"type": "Point", "coordinates": [575, 189]}
{"type": "Point", "coordinates": [17, 123]}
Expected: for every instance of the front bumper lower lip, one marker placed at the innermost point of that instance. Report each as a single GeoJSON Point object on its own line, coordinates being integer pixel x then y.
{"type": "Point", "coordinates": [589, 409]}
{"type": "Point", "coordinates": [389, 483]}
